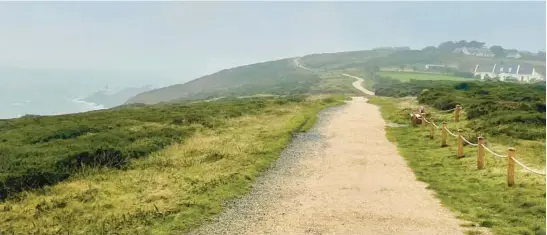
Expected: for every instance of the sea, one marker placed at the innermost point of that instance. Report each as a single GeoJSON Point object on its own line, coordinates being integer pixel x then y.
{"type": "Point", "coordinates": [46, 106]}
{"type": "Point", "coordinates": [51, 92]}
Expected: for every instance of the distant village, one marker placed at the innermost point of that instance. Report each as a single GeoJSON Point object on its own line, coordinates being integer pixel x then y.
{"type": "Point", "coordinates": [518, 72]}
{"type": "Point", "coordinates": [514, 71]}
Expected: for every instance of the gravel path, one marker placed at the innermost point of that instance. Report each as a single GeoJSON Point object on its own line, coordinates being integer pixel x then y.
{"type": "Point", "coordinates": [342, 177]}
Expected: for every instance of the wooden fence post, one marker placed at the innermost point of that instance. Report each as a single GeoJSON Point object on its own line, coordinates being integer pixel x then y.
{"type": "Point", "coordinates": [480, 152]}
{"type": "Point", "coordinates": [413, 120]}
{"type": "Point", "coordinates": [460, 144]}
{"type": "Point", "coordinates": [443, 141]}
{"type": "Point", "coordinates": [510, 166]}
{"type": "Point", "coordinates": [431, 129]}
{"type": "Point", "coordinates": [423, 119]}
{"type": "Point", "coordinates": [457, 113]}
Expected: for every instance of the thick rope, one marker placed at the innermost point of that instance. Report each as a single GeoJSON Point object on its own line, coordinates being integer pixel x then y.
{"type": "Point", "coordinates": [469, 142]}
{"type": "Point", "coordinates": [436, 125]}
{"type": "Point", "coordinates": [492, 152]}
{"type": "Point", "coordinates": [450, 132]}
{"type": "Point", "coordinates": [527, 168]}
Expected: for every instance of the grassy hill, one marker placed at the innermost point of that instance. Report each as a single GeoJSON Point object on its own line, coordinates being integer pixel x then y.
{"type": "Point", "coordinates": [279, 77]}
{"type": "Point", "coordinates": [283, 77]}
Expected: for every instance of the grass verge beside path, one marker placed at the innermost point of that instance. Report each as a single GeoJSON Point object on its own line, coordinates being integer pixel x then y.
{"type": "Point", "coordinates": [406, 76]}
{"type": "Point", "coordinates": [480, 196]}
{"type": "Point", "coordinates": [170, 191]}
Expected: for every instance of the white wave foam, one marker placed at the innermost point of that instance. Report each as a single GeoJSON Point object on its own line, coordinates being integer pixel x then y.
{"type": "Point", "coordinates": [89, 106]}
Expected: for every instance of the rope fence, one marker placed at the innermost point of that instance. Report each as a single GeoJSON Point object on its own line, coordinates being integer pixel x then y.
{"type": "Point", "coordinates": [492, 152]}
{"type": "Point", "coordinates": [467, 141]}
{"type": "Point", "coordinates": [419, 118]}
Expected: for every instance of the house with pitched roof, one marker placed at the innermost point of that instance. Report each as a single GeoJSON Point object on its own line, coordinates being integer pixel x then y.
{"type": "Point", "coordinates": [524, 73]}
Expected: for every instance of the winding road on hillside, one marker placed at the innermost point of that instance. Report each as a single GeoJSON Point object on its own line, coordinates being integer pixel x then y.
{"type": "Point", "coordinates": [341, 177]}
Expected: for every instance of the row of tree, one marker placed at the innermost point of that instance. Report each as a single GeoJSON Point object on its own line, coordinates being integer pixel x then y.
{"type": "Point", "coordinates": [449, 46]}
{"type": "Point", "coordinates": [499, 51]}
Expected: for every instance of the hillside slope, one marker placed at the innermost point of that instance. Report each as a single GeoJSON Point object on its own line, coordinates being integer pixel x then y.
{"type": "Point", "coordinates": [280, 77]}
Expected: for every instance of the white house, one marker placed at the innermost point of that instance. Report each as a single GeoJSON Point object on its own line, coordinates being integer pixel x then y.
{"type": "Point", "coordinates": [513, 54]}
{"type": "Point", "coordinates": [503, 71]}
{"type": "Point", "coordinates": [481, 52]}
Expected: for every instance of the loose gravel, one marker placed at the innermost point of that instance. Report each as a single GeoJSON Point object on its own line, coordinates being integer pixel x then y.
{"type": "Point", "coordinates": [341, 177]}
{"type": "Point", "coordinates": [243, 213]}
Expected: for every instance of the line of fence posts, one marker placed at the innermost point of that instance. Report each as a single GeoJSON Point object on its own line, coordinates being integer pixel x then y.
{"type": "Point", "coordinates": [460, 154]}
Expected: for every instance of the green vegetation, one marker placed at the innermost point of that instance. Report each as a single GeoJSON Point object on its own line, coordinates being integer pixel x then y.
{"type": "Point", "coordinates": [281, 77]}
{"type": "Point", "coordinates": [501, 109]}
{"type": "Point", "coordinates": [179, 163]}
{"type": "Point", "coordinates": [480, 196]}
{"type": "Point", "coordinates": [504, 109]}
{"type": "Point", "coordinates": [407, 76]}
{"type": "Point", "coordinates": [38, 151]}
{"type": "Point", "coordinates": [341, 60]}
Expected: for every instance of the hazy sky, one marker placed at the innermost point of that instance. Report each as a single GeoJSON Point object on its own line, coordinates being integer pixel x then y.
{"type": "Point", "coordinates": [189, 39]}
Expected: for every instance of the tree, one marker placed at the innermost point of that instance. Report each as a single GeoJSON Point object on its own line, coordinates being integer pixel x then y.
{"type": "Point", "coordinates": [462, 43]}
{"type": "Point", "coordinates": [414, 68]}
{"type": "Point", "coordinates": [475, 44]}
{"type": "Point", "coordinates": [498, 51]}
{"type": "Point", "coordinates": [429, 49]}
{"type": "Point", "coordinates": [447, 46]}
{"type": "Point", "coordinates": [402, 67]}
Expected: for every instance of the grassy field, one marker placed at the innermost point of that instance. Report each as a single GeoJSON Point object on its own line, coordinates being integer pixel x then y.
{"type": "Point", "coordinates": [480, 196]}
{"type": "Point", "coordinates": [407, 76]}
{"type": "Point", "coordinates": [208, 153]}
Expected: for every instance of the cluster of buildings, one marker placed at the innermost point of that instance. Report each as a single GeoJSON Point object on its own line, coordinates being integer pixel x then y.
{"type": "Point", "coordinates": [518, 72]}
{"type": "Point", "coordinates": [524, 73]}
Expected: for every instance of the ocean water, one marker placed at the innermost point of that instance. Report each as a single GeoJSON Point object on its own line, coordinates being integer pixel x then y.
{"type": "Point", "coordinates": [55, 92]}
{"type": "Point", "coordinates": [49, 106]}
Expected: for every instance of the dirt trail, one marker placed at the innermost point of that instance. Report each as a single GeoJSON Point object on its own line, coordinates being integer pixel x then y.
{"type": "Point", "coordinates": [342, 177]}
{"type": "Point", "coordinates": [358, 84]}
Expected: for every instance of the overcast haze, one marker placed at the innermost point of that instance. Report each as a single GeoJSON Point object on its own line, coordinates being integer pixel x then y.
{"type": "Point", "coordinates": [161, 43]}
{"type": "Point", "coordinates": [197, 37]}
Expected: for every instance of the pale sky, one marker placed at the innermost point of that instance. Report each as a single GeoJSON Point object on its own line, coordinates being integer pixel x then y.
{"type": "Point", "coordinates": [190, 39]}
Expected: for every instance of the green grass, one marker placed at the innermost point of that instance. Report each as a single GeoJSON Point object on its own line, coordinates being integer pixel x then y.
{"type": "Point", "coordinates": [479, 196]}
{"type": "Point", "coordinates": [166, 191]}
{"type": "Point", "coordinates": [37, 151]}
{"type": "Point", "coordinates": [407, 76]}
